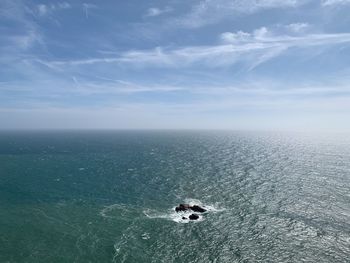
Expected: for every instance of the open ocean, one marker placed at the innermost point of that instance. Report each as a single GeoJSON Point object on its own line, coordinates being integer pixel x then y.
{"type": "Point", "coordinates": [109, 196]}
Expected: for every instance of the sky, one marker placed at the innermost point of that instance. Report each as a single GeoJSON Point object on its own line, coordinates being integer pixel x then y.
{"type": "Point", "coordinates": [175, 64]}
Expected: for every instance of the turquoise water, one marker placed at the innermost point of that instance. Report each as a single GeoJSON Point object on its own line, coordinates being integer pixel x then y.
{"type": "Point", "coordinates": [109, 197]}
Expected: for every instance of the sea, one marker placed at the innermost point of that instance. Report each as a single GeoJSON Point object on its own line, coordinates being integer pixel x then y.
{"type": "Point", "coordinates": [109, 196]}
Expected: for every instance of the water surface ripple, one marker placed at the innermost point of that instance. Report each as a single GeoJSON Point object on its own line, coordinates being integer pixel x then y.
{"type": "Point", "coordinates": [109, 197]}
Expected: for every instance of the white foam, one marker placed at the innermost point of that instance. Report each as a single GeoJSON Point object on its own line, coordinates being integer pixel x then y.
{"type": "Point", "coordinates": [209, 207]}
{"type": "Point", "coordinates": [145, 236]}
{"type": "Point", "coordinates": [177, 217]}
{"type": "Point", "coordinates": [115, 210]}
{"type": "Point", "coordinates": [104, 212]}
{"type": "Point", "coordinates": [172, 215]}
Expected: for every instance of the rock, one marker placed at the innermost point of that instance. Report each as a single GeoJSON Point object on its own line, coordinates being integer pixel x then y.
{"type": "Point", "coordinates": [186, 207]}
{"type": "Point", "coordinates": [197, 208]}
{"type": "Point", "coordinates": [193, 217]}
{"type": "Point", "coordinates": [182, 207]}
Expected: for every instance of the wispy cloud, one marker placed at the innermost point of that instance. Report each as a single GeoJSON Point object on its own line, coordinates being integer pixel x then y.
{"type": "Point", "coordinates": [249, 94]}
{"type": "Point", "coordinates": [114, 86]}
{"type": "Point", "coordinates": [298, 27]}
{"type": "Point", "coordinates": [335, 2]}
{"type": "Point", "coordinates": [154, 11]}
{"type": "Point", "coordinates": [43, 9]}
{"type": "Point", "coordinates": [59, 77]}
{"type": "Point", "coordinates": [253, 48]}
{"type": "Point", "coordinates": [87, 7]}
{"type": "Point", "coordinates": [212, 11]}
{"type": "Point", "coordinates": [26, 40]}
{"type": "Point", "coordinates": [20, 37]}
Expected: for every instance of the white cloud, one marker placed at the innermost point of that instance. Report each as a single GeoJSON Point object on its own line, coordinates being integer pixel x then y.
{"type": "Point", "coordinates": [235, 37]}
{"type": "Point", "coordinates": [154, 11]}
{"type": "Point", "coordinates": [212, 11]}
{"type": "Point", "coordinates": [264, 34]}
{"type": "Point", "coordinates": [64, 5]}
{"type": "Point", "coordinates": [298, 27]}
{"type": "Point", "coordinates": [240, 36]}
{"type": "Point", "coordinates": [261, 33]}
{"type": "Point", "coordinates": [46, 9]}
{"type": "Point", "coordinates": [335, 2]}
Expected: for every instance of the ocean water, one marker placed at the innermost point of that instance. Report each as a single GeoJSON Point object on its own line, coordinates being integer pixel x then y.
{"type": "Point", "coordinates": [88, 196]}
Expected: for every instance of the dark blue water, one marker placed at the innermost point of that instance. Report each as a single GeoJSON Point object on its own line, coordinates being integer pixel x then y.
{"type": "Point", "coordinates": [88, 196]}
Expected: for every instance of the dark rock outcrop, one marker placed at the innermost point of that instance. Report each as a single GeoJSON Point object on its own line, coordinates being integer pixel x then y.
{"type": "Point", "coordinates": [186, 207]}
{"type": "Point", "coordinates": [197, 208]}
{"type": "Point", "coordinates": [182, 207]}
{"type": "Point", "coordinates": [193, 217]}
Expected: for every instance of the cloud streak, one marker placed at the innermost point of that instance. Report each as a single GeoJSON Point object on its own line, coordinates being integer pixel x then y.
{"type": "Point", "coordinates": [253, 48]}
{"type": "Point", "coordinates": [335, 2]}
{"type": "Point", "coordinates": [212, 11]}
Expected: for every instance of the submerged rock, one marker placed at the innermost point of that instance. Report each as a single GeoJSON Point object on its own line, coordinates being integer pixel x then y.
{"type": "Point", "coordinates": [186, 207]}
{"type": "Point", "coordinates": [193, 217]}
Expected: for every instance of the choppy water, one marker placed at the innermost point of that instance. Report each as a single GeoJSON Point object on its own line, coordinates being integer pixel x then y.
{"type": "Point", "coordinates": [109, 197]}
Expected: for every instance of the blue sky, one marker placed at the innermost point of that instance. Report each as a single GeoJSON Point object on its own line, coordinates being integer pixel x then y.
{"type": "Point", "coordinates": [223, 64]}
